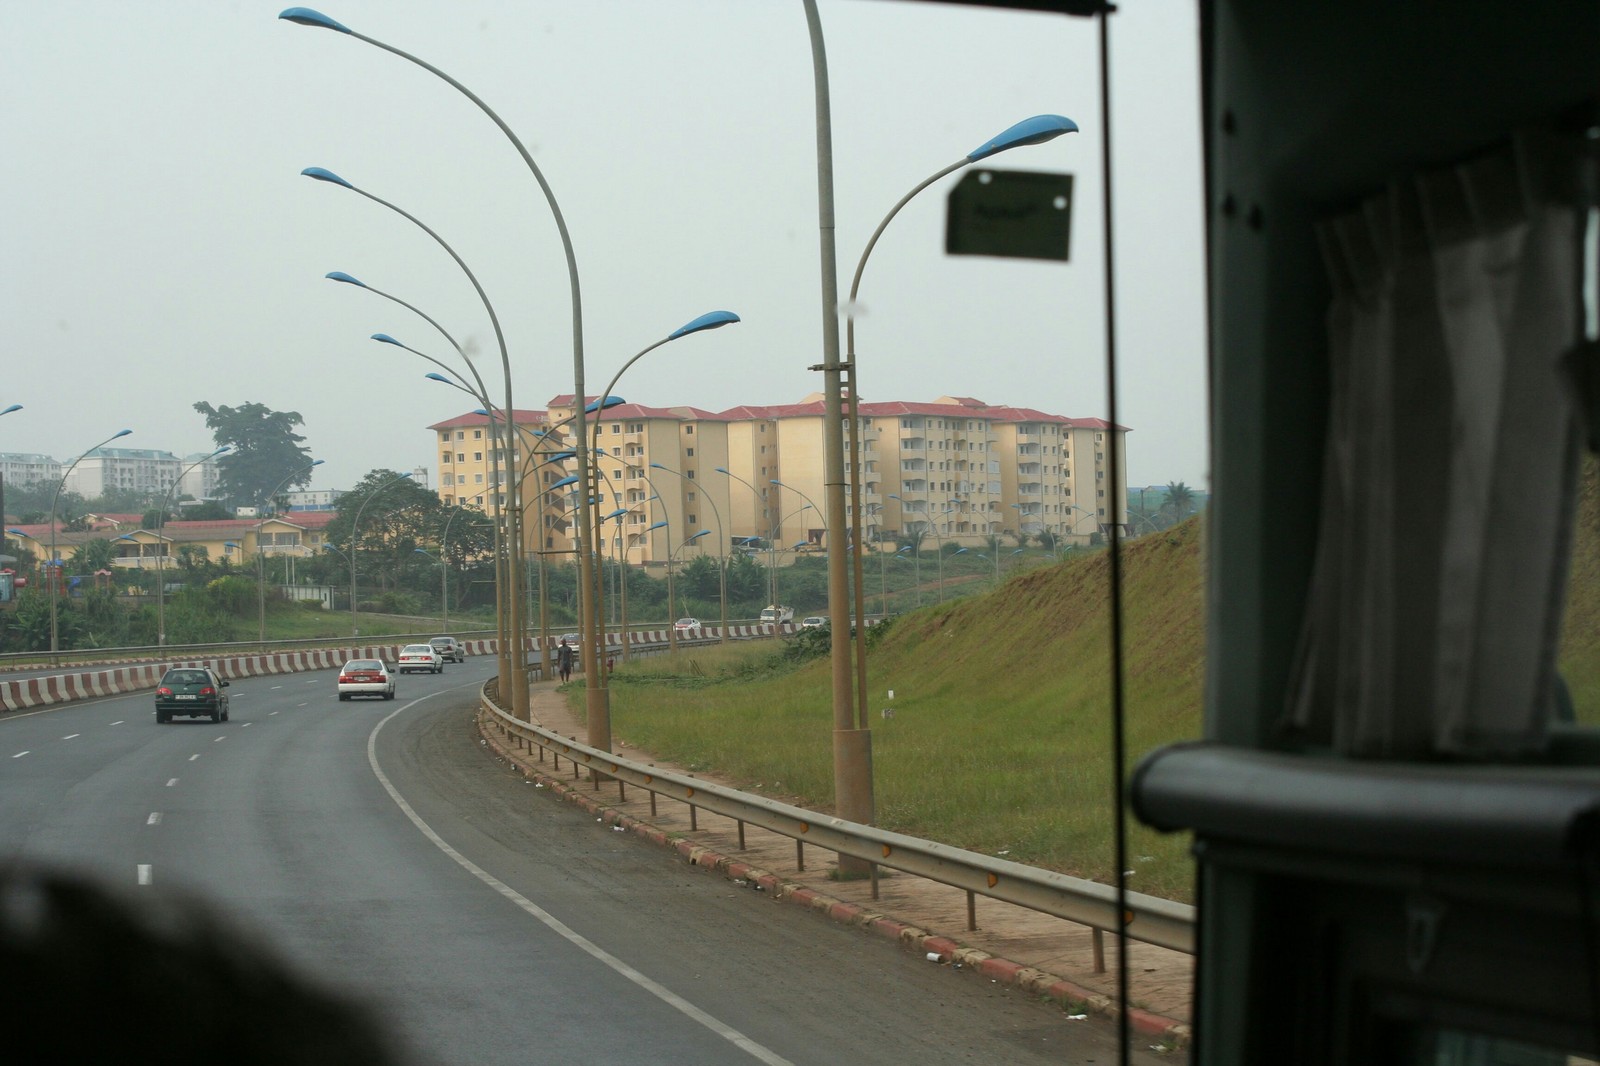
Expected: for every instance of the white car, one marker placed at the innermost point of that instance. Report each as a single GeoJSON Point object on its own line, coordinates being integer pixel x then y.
{"type": "Point", "coordinates": [366, 677]}
{"type": "Point", "coordinates": [687, 627]}
{"type": "Point", "coordinates": [424, 657]}
{"type": "Point", "coordinates": [815, 621]}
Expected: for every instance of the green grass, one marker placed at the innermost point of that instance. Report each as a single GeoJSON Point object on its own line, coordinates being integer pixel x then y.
{"type": "Point", "coordinates": [999, 739]}
{"type": "Point", "coordinates": [992, 745]}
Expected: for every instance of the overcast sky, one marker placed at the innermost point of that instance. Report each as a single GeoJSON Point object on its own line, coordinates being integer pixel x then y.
{"type": "Point", "coordinates": [160, 247]}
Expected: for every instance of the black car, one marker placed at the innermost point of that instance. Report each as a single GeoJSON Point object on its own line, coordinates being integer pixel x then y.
{"type": "Point", "coordinates": [193, 691]}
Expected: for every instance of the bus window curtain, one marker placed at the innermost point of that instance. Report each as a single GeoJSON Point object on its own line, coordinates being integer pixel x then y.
{"type": "Point", "coordinates": [1435, 604]}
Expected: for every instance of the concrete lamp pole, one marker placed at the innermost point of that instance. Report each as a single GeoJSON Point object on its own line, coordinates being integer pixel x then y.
{"type": "Point", "coordinates": [519, 679]}
{"type": "Point", "coordinates": [599, 732]}
{"type": "Point", "coordinates": [355, 525]}
{"type": "Point", "coordinates": [1036, 130]}
{"type": "Point", "coordinates": [722, 558]}
{"type": "Point", "coordinates": [497, 446]}
{"type": "Point", "coordinates": [708, 321]}
{"type": "Point", "coordinates": [54, 563]}
{"type": "Point", "coordinates": [261, 555]}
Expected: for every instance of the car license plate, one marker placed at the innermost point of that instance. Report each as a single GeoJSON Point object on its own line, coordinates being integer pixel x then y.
{"type": "Point", "coordinates": [180, 696]}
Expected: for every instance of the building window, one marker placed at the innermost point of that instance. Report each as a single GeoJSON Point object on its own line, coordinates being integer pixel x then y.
{"type": "Point", "coordinates": [461, 457]}
{"type": "Point", "coordinates": [477, 457]}
{"type": "Point", "coordinates": [477, 479]}
{"type": "Point", "coordinates": [690, 452]}
{"type": "Point", "coordinates": [445, 458]}
{"type": "Point", "coordinates": [694, 520]}
{"type": "Point", "coordinates": [689, 474]}
{"type": "Point", "coordinates": [688, 431]}
{"type": "Point", "coordinates": [461, 434]}
{"type": "Point", "coordinates": [477, 434]}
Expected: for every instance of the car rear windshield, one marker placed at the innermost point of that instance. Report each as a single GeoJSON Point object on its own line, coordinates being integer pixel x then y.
{"type": "Point", "coordinates": [185, 677]}
{"type": "Point", "coordinates": [363, 664]}
{"type": "Point", "coordinates": [412, 649]}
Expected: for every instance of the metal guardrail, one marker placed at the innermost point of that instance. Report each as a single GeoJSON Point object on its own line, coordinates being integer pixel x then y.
{"type": "Point", "coordinates": [1149, 919]}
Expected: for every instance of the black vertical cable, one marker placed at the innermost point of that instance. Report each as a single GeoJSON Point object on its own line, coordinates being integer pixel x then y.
{"type": "Point", "coordinates": [1114, 468]}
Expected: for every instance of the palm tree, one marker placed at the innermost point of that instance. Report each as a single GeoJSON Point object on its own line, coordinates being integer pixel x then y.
{"type": "Point", "coordinates": [1180, 499]}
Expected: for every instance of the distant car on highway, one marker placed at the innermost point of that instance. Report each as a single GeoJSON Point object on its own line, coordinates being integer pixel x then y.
{"type": "Point", "coordinates": [194, 692]}
{"type": "Point", "coordinates": [813, 621]}
{"type": "Point", "coordinates": [415, 657]}
{"type": "Point", "coordinates": [450, 649]}
{"type": "Point", "coordinates": [366, 677]}
{"type": "Point", "coordinates": [687, 626]}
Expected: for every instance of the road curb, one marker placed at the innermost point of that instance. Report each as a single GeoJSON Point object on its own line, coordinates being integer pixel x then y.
{"type": "Point", "coordinates": [1064, 993]}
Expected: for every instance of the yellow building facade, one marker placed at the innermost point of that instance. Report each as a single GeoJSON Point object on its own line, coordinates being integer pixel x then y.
{"type": "Point", "coordinates": [953, 470]}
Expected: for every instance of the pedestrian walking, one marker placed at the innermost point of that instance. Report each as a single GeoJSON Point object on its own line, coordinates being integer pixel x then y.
{"type": "Point", "coordinates": [564, 660]}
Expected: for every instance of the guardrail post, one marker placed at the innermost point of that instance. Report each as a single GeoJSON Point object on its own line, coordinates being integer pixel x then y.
{"type": "Point", "coordinates": [741, 834]}
{"type": "Point", "coordinates": [800, 855]}
{"type": "Point", "coordinates": [1099, 951]}
{"type": "Point", "coordinates": [972, 910]}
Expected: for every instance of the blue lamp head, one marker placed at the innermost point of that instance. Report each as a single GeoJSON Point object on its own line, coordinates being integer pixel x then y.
{"type": "Point", "coordinates": [601, 405]}
{"type": "Point", "coordinates": [384, 338]}
{"type": "Point", "coordinates": [561, 457]}
{"type": "Point", "coordinates": [564, 482]}
{"type": "Point", "coordinates": [13, 407]}
{"type": "Point", "coordinates": [655, 525]}
{"type": "Point", "coordinates": [121, 433]}
{"type": "Point", "coordinates": [339, 275]}
{"type": "Point", "coordinates": [434, 375]}
{"type": "Point", "coordinates": [657, 466]}
{"type": "Point", "coordinates": [697, 536]}
{"type": "Point", "coordinates": [306, 16]}
{"type": "Point", "coordinates": [323, 174]}
{"type": "Point", "coordinates": [1035, 130]}
{"type": "Point", "coordinates": [709, 320]}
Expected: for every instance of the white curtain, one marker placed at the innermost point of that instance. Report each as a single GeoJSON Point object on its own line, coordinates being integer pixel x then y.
{"type": "Point", "coordinates": [1453, 445]}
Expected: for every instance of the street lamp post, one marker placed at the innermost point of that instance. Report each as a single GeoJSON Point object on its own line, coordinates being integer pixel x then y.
{"type": "Point", "coordinates": [519, 679]}
{"type": "Point", "coordinates": [161, 521]}
{"type": "Point", "coordinates": [722, 557]}
{"type": "Point", "coordinates": [444, 587]}
{"type": "Point", "coordinates": [261, 565]}
{"type": "Point", "coordinates": [599, 733]}
{"type": "Point", "coordinates": [355, 525]}
{"type": "Point", "coordinates": [772, 534]}
{"type": "Point", "coordinates": [498, 445]}
{"type": "Point", "coordinates": [54, 563]}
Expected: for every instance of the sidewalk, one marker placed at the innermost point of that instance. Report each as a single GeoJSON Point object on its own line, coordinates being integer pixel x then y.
{"type": "Point", "coordinates": [1046, 955]}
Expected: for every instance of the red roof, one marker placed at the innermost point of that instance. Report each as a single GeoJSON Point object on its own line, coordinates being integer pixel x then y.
{"type": "Point", "coordinates": [524, 417]}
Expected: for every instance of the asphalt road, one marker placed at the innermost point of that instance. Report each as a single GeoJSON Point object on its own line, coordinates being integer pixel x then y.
{"type": "Point", "coordinates": [379, 846]}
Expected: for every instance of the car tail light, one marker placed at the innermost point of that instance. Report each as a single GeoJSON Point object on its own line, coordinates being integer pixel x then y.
{"type": "Point", "coordinates": [163, 691]}
{"type": "Point", "coordinates": [208, 691]}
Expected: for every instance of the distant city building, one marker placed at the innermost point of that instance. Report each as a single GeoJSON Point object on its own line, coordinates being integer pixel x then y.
{"type": "Point", "coordinates": [142, 470]}
{"type": "Point", "coordinates": [20, 468]}
{"type": "Point", "coordinates": [312, 499]}
{"type": "Point", "coordinates": [956, 470]}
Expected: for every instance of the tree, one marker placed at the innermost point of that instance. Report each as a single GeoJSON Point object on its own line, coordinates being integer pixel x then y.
{"type": "Point", "coordinates": [92, 555]}
{"type": "Point", "coordinates": [1180, 499]}
{"type": "Point", "coordinates": [265, 449]}
{"type": "Point", "coordinates": [402, 517]}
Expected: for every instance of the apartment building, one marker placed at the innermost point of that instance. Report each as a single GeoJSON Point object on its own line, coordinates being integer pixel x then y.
{"type": "Point", "coordinates": [143, 470]}
{"type": "Point", "coordinates": [954, 470]}
{"type": "Point", "coordinates": [22, 468]}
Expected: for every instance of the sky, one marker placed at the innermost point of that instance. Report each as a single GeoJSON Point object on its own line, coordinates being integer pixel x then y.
{"type": "Point", "coordinates": [161, 248]}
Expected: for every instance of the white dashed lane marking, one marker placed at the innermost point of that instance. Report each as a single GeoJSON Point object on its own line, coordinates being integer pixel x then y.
{"type": "Point", "coordinates": [219, 740]}
{"type": "Point", "coordinates": [193, 757]}
{"type": "Point", "coordinates": [117, 722]}
{"type": "Point", "coordinates": [154, 819]}
{"type": "Point", "coordinates": [144, 873]}
{"type": "Point", "coordinates": [19, 755]}
{"type": "Point", "coordinates": [172, 782]}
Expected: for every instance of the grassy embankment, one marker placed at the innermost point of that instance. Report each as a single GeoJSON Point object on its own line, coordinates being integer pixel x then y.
{"type": "Point", "coordinates": [993, 745]}
{"type": "Point", "coordinates": [999, 740]}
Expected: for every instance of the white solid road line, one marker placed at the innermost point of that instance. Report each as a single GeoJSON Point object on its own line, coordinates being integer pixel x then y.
{"type": "Point", "coordinates": [556, 925]}
{"type": "Point", "coordinates": [144, 873]}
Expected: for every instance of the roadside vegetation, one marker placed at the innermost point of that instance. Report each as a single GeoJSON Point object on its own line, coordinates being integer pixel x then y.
{"type": "Point", "coordinates": [997, 736]}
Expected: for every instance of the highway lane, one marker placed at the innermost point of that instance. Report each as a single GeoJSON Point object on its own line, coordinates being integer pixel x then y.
{"type": "Point", "coordinates": [538, 934]}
